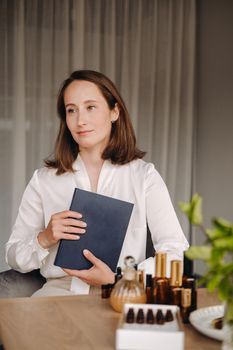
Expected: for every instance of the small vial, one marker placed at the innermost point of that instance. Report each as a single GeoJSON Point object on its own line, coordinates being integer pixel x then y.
{"type": "Point", "coordinates": [140, 316]}
{"type": "Point", "coordinates": [130, 317]}
{"type": "Point", "coordinates": [169, 316]}
{"type": "Point", "coordinates": [159, 317]}
{"type": "Point", "coordinates": [150, 317]}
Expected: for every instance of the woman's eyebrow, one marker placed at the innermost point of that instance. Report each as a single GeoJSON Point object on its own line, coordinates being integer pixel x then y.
{"type": "Point", "coordinates": [90, 101]}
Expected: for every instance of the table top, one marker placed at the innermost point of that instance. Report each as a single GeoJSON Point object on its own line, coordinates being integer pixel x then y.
{"type": "Point", "coordinates": [76, 322]}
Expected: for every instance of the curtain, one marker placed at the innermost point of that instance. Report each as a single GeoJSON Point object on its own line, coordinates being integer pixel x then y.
{"type": "Point", "coordinates": [147, 47]}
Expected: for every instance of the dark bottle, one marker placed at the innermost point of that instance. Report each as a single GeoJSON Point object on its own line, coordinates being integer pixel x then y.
{"type": "Point", "coordinates": [149, 289]}
{"type": "Point", "coordinates": [169, 316]}
{"type": "Point", "coordinates": [140, 316]}
{"type": "Point", "coordinates": [106, 290]}
{"type": "Point", "coordinates": [185, 304]}
{"type": "Point", "coordinates": [159, 317]}
{"type": "Point", "coordinates": [150, 317]}
{"type": "Point", "coordinates": [161, 282]}
{"type": "Point", "coordinates": [130, 317]}
{"type": "Point", "coordinates": [174, 294]}
{"type": "Point", "coordinates": [190, 282]}
{"type": "Point", "coordinates": [118, 274]}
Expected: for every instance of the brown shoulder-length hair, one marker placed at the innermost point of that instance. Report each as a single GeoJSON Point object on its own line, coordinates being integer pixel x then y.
{"type": "Point", "coordinates": [121, 148]}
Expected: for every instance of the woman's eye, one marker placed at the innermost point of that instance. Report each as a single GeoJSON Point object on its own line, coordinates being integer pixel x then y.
{"type": "Point", "coordinates": [71, 110]}
{"type": "Point", "coordinates": [90, 108]}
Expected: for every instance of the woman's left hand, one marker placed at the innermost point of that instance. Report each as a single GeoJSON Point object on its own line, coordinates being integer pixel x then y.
{"type": "Point", "coordinates": [97, 275]}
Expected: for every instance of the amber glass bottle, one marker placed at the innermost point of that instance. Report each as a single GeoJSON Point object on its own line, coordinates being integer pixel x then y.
{"type": "Point", "coordinates": [127, 289]}
{"type": "Point", "coordinates": [161, 282]}
{"type": "Point", "coordinates": [174, 293]}
{"type": "Point", "coordinates": [185, 304]}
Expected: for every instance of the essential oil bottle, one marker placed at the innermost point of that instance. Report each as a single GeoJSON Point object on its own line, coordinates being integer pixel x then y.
{"type": "Point", "coordinates": [185, 304]}
{"type": "Point", "coordinates": [161, 282]}
{"type": "Point", "coordinates": [175, 287]}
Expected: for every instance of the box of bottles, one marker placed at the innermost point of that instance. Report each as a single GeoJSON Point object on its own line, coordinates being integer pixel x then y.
{"type": "Point", "coordinates": [147, 327]}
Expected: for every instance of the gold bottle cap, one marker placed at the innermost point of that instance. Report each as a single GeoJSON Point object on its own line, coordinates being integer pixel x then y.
{"type": "Point", "coordinates": [161, 261]}
{"type": "Point", "coordinates": [176, 273]}
{"type": "Point", "coordinates": [186, 297]}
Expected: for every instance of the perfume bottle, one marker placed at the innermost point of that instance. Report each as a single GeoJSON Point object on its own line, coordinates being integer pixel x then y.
{"type": "Point", "coordinates": [174, 293]}
{"type": "Point", "coordinates": [190, 282]}
{"type": "Point", "coordinates": [127, 289]}
{"type": "Point", "coordinates": [185, 304]}
{"type": "Point", "coordinates": [149, 289]}
{"type": "Point", "coordinates": [161, 282]}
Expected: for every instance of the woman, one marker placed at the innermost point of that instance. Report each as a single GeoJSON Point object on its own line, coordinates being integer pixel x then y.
{"type": "Point", "coordinates": [96, 151]}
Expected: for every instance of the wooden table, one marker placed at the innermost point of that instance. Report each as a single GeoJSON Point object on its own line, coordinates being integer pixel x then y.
{"type": "Point", "coordinates": [75, 322]}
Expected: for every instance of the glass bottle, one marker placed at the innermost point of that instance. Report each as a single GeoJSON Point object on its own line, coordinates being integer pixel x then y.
{"type": "Point", "coordinates": [174, 297]}
{"type": "Point", "coordinates": [161, 282]}
{"type": "Point", "coordinates": [127, 289]}
{"type": "Point", "coordinates": [190, 282]}
{"type": "Point", "coordinates": [185, 304]}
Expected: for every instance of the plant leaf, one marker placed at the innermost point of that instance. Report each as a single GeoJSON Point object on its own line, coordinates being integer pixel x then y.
{"type": "Point", "coordinates": [199, 252]}
{"type": "Point", "coordinates": [193, 209]}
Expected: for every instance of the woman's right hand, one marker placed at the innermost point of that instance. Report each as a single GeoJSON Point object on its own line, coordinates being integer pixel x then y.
{"type": "Point", "coordinates": [63, 225]}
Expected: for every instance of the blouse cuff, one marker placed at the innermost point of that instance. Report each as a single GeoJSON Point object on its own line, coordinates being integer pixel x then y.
{"type": "Point", "coordinates": [42, 252]}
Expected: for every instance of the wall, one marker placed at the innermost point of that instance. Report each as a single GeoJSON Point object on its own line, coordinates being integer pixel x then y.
{"type": "Point", "coordinates": [214, 148]}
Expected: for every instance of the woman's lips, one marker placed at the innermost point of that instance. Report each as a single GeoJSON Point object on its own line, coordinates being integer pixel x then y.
{"type": "Point", "coordinates": [84, 132]}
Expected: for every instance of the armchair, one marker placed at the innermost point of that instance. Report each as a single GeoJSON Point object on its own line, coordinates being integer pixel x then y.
{"type": "Point", "coordinates": [15, 284]}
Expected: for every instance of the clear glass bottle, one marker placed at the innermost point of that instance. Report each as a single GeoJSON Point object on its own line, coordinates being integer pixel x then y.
{"type": "Point", "coordinates": [127, 289]}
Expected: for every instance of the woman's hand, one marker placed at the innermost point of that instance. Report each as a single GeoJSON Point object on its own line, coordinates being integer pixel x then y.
{"type": "Point", "coordinates": [97, 275]}
{"type": "Point", "coordinates": [66, 225]}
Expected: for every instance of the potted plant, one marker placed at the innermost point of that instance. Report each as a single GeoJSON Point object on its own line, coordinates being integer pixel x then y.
{"type": "Point", "coordinates": [217, 253]}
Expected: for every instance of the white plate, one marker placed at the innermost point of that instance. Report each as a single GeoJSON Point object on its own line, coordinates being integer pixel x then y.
{"type": "Point", "coordinates": [201, 319]}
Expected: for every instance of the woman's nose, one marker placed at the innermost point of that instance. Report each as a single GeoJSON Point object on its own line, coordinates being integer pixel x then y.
{"type": "Point", "coordinates": [81, 118]}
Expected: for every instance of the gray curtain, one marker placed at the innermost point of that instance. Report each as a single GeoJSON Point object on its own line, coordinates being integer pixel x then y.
{"type": "Point", "coordinates": [147, 47]}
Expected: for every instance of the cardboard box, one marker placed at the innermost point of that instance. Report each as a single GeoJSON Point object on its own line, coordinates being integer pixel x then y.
{"type": "Point", "coordinates": [134, 336]}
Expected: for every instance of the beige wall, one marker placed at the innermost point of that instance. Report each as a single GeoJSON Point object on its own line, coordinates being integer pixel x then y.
{"type": "Point", "coordinates": [214, 157]}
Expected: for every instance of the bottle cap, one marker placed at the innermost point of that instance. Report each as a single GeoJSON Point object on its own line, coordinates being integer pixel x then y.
{"type": "Point", "coordinates": [129, 272]}
{"type": "Point", "coordinates": [161, 261]}
{"type": "Point", "coordinates": [176, 273]}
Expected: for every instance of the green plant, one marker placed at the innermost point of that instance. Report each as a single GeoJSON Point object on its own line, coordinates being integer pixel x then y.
{"type": "Point", "coordinates": [217, 251]}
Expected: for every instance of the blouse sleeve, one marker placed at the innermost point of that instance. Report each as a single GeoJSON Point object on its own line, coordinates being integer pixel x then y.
{"type": "Point", "coordinates": [23, 251]}
{"type": "Point", "coordinates": [166, 232]}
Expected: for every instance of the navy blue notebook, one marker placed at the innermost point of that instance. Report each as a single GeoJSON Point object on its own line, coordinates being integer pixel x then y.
{"type": "Point", "coordinates": [107, 220]}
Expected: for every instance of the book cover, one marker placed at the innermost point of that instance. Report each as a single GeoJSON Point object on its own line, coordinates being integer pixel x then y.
{"type": "Point", "coordinates": [107, 220]}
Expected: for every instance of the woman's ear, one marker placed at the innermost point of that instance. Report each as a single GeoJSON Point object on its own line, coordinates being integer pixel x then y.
{"type": "Point", "coordinates": [115, 112]}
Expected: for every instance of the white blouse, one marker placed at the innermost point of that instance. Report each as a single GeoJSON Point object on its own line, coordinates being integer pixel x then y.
{"type": "Point", "coordinates": [137, 182]}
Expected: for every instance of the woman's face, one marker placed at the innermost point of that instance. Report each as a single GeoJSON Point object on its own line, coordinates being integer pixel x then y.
{"type": "Point", "coordinates": [88, 116]}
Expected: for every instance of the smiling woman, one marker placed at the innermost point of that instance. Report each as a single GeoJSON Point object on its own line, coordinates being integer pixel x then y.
{"type": "Point", "coordinates": [95, 150]}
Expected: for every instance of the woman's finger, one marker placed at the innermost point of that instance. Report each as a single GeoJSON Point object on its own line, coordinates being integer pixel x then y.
{"type": "Point", "coordinates": [91, 257]}
{"type": "Point", "coordinates": [74, 222]}
{"type": "Point", "coordinates": [72, 229]}
{"type": "Point", "coordinates": [68, 214]}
